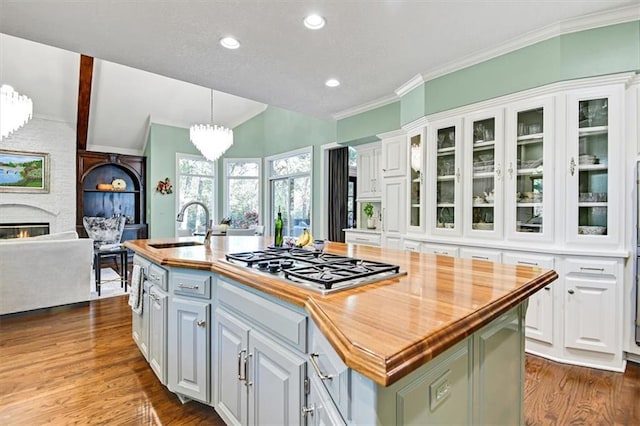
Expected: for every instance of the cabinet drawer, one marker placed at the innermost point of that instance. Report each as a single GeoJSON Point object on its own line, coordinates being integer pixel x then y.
{"type": "Point", "coordinates": [142, 263]}
{"type": "Point", "coordinates": [191, 284]}
{"type": "Point", "coordinates": [277, 320]}
{"type": "Point", "coordinates": [481, 254]}
{"type": "Point", "coordinates": [588, 266]}
{"type": "Point", "coordinates": [158, 276]}
{"type": "Point", "coordinates": [409, 245]}
{"type": "Point", "coordinates": [328, 368]}
{"type": "Point", "coordinates": [526, 259]}
{"type": "Point", "coordinates": [440, 250]}
{"type": "Point", "coordinates": [362, 238]}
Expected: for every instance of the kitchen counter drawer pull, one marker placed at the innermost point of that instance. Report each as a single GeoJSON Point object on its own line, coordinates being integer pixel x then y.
{"type": "Point", "coordinates": [154, 277]}
{"type": "Point", "coordinates": [522, 262]}
{"type": "Point", "coordinates": [189, 287]}
{"type": "Point", "coordinates": [588, 269]}
{"type": "Point", "coordinates": [316, 367]}
{"type": "Point", "coordinates": [479, 257]}
{"type": "Point", "coordinates": [240, 366]}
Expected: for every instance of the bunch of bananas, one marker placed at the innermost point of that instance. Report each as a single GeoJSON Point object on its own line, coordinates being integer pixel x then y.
{"type": "Point", "coordinates": [306, 239]}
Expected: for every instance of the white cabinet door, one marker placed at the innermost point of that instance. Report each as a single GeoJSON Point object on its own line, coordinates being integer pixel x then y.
{"type": "Point", "coordinates": [140, 326]}
{"type": "Point", "coordinates": [368, 170]}
{"type": "Point", "coordinates": [416, 215]}
{"type": "Point", "coordinates": [484, 167]}
{"type": "Point", "coordinates": [595, 140]}
{"type": "Point", "coordinates": [393, 202]}
{"type": "Point", "coordinates": [529, 165]}
{"type": "Point", "coordinates": [540, 312]}
{"type": "Point", "coordinates": [591, 307]}
{"type": "Point", "coordinates": [158, 332]}
{"type": "Point", "coordinates": [230, 351]}
{"type": "Point", "coordinates": [275, 380]}
{"type": "Point", "coordinates": [394, 157]}
{"type": "Point", "coordinates": [444, 186]}
{"type": "Point", "coordinates": [189, 348]}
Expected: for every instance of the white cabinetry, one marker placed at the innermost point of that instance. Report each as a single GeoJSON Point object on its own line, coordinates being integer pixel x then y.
{"type": "Point", "coordinates": [188, 334]}
{"type": "Point", "coordinates": [354, 236]}
{"type": "Point", "coordinates": [368, 162]}
{"type": "Point", "coordinates": [416, 174]}
{"type": "Point", "coordinates": [259, 368]}
{"type": "Point", "coordinates": [394, 156]}
{"type": "Point", "coordinates": [540, 312]}
{"type": "Point", "coordinates": [393, 210]}
{"type": "Point", "coordinates": [440, 249]}
{"type": "Point", "coordinates": [444, 159]}
{"type": "Point", "coordinates": [158, 306]}
{"type": "Point", "coordinates": [593, 304]}
{"type": "Point", "coordinates": [480, 254]}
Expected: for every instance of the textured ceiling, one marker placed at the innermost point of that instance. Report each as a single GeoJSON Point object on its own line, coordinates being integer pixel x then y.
{"type": "Point", "coordinates": [372, 47]}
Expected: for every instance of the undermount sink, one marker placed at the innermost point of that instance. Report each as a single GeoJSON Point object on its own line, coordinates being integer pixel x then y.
{"type": "Point", "coordinates": [175, 245]}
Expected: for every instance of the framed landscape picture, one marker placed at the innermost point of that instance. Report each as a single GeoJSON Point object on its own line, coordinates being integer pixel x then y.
{"type": "Point", "coordinates": [24, 171]}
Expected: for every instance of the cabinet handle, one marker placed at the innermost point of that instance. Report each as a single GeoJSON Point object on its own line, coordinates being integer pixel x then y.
{"type": "Point", "coordinates": [585, 268]}
{"type": "Point", "coordinates": [498, 171]}
{"type": "Point", "coordinates": [510, 170]}
{"type": "Point", "coordinates": [458, 175]}
{"type": "Point", "coordinates": [246, 369]}
{"type": "Point", "coordinates": [572, 166]}
{"type": "Point", "coordinates": [421, 178]}
{"type": "Point", "coordinates": [316, 367]}
{"type": "Point", "coordinates": [239, 366]}
{"type": "Point", "coordinates": [360, 239]}
{"type": "Point", "coordinates": [201, 323]}
{"type": "Point", "coordinates": [444, 253]}
{"type": "Point", "coordinates": [571, 291]}
{"type": "Point", "coordinates": [384, 210]}
{"type": "Point", "coordinates": [189, 287]}
{"type": "Point", "coordinates": [480, 257]}
{"type": "Point", "coordinates": [154, 277]}
{"type": "Point", "coordinates": [522, 262]}
{"type": "Point", "coordinates": [548, 288]}
{"type": "Point", "coordinates": [308, 410]}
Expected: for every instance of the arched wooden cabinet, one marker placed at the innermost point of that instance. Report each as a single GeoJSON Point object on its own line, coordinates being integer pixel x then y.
{"type": "Point", "coordinates": [96, 169]}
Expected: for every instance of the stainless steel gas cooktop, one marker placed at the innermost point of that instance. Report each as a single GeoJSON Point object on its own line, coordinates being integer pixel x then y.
{"type": "Point", "coordinates": [312, 269]}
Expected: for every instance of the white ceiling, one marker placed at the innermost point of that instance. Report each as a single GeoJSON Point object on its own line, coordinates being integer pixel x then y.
{"type": "Point", "coordinates": [373, 47]}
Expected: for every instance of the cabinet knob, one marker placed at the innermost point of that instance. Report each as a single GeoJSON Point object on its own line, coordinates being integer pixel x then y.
{"type": "Point", "coordinates": [572, 166]}
{"type": "Point", "coordinates": [201, 323]}
{"type": "Point", "coordinates": [308, 410]}
{"type": "Point", "coordinates": [571, 291]}
{"type": "Point", "coordinates": [510, 170]}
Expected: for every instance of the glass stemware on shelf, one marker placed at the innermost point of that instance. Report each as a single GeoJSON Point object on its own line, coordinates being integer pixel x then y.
{"type": "Point", "coordinates": [483, 175]}
{"type": "Point", "coordinates": [529, 171]}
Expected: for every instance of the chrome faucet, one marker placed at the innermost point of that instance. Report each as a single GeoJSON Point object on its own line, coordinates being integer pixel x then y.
{"type": "Point", "coordinates": [180, 218]}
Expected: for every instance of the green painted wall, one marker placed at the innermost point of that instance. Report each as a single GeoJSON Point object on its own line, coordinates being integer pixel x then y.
{"type": "Point", "coordinates": [163, 144]}
{"type": "Point", "coordinates": [598, 51]}
{"type": "Point", "coordinates": [362, 128]}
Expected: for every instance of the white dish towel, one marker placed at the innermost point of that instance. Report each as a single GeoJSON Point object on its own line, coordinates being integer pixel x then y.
{"type": "Point", "coordinates": [135, 296]}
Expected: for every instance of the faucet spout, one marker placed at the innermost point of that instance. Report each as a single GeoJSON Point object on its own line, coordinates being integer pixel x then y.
{"type": "Point", "coordinates": [180, 217]}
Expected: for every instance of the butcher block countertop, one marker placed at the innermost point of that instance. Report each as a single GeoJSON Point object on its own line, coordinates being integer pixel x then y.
{"type": "Point", "coordinates": [387, 329]}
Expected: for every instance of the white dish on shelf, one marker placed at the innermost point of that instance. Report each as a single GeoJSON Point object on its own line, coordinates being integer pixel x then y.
{"type": "Point", "coordinates": [483, 226]}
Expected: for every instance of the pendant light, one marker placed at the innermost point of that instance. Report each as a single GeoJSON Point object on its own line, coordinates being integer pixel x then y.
{"type": "Point", "coordinates": [211, 140]}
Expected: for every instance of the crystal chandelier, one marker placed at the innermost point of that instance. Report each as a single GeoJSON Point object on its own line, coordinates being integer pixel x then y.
{"type": "Point", "coordinates": [212, 141]}
{"type": "Point", "coordinates": [15, 110]}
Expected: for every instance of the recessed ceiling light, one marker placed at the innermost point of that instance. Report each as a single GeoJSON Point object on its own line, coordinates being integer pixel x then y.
{"type": "Point", "coordinates": [332, 82]}
{"type": "Point", "coordinates": [230, 43]}
{"type": "Point", "coordinates": [314, 22]}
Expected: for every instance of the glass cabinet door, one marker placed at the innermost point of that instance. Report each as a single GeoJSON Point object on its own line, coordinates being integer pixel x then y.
{"type": "Point", "coordinates": [593, 133]}
{"type": "Point", "coordinates": [416, 182]}
{"type": "Point", "coordinates": [484, 165]}
{"type": "Point", "coordinates": [530, 164]}
{"type": "Point", "coordinates": [446, 143]}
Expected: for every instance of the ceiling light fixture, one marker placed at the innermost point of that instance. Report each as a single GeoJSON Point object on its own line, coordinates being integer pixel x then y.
{"type": "Point", "coordinates": [229, 43]}
{"type": "Point", "coordinates": [332, 82]}
{"type": "Point", "coordinates": [15, 110]}
{"type": "Point", "coordinates": [212, 141]}
{"type": "Point", "coordinates": [314, 22]}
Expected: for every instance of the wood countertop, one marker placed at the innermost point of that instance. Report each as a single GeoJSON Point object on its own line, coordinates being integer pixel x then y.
{"type": "Point", "coordinates": [387, 329]}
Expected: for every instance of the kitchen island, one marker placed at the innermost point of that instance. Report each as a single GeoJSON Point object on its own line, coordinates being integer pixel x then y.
{"type": "Point", "coordinates": [402, 348]}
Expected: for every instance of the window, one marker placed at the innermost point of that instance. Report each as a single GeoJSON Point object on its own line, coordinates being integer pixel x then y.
{"type": "Point", "coordinates": [196, 182]}
{"type": "Point", "coordinates": [290, 190]}
{"type": "Point", "coordinates": [242, 191]}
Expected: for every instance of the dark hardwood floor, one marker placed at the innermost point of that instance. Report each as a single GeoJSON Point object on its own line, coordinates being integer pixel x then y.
{"type": "Point", "coordinates": [79, 365]}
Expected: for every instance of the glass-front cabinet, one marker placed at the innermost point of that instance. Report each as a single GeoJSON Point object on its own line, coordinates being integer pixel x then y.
{"type": "Point", "coordinates": [416, 181]}
{"type": "Point", "coordinates": [484, 159]}
{"type": "Point", "coordinates": [593, 141]}
{"type": "Point", "coordinates": [529, 165]}
{"type": "Point", "coordinates": [445, 162]}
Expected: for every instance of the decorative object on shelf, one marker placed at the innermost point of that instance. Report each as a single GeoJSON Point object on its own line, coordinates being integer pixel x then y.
{"type": "Point", "coordinates": [164, 186]}
{"type": "Point", "coordinates": [119, 184]}
{"type": "Point", "coordinates": [24, 171]}
{"type": "Point", "coordinates": [368, 211]}
{"type": "Point", "coordinates": [211, 140]}
{"type": "Point", "coordinates": [15, 110]}
{"type": "Point", "coordinates": [104, 187]}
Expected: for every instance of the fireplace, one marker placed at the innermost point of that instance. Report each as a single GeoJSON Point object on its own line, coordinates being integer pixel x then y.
{"type": "Point", "coordinates": [22, 230]}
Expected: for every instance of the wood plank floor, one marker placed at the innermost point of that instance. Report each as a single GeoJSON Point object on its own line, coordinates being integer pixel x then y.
{"type": "Point", "coordinates": [79, 365]}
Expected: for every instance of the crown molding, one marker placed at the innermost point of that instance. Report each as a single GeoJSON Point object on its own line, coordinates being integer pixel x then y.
{"type": "Point", "coordinates": [587, 22]}
{"type": "Point", "coordinates": [420, 122]}
{"type": "Point", "coordinates": [410, 85]}
{"type": "Point", "coordinates": [392, 134]}
{"type": "Point", "coordinates": [365, 107]}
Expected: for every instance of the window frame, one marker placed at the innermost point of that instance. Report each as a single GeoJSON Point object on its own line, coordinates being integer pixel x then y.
{"type": "Point", "coordinates": [214, 195]}
{"type": "Point", "coordinates": [225, 184]}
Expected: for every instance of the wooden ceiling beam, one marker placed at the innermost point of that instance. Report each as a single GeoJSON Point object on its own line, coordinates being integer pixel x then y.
{"type": "Point", "coordinates": [84, 101]}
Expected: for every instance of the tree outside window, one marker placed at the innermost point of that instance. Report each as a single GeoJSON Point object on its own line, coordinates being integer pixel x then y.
{"type": "Point", "coordinates": [196, 182]}
{"type": "Point", "coordinates": [242, 201]}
